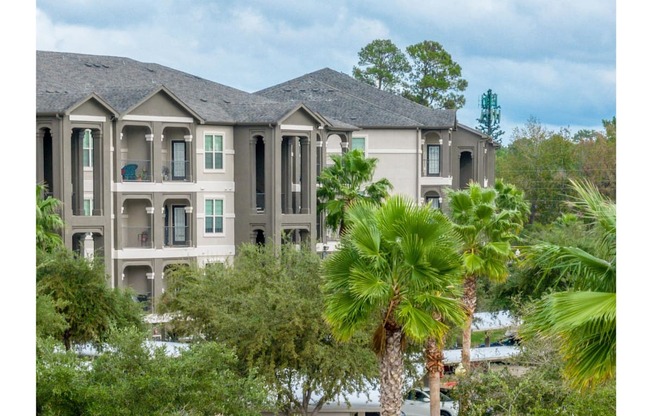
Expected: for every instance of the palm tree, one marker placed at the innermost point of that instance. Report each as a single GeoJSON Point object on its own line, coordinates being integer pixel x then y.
{"type": "Point", "coordinates": [48, 221]}
{"type": "Point", "coordinates": [349, 179]}
{"type": "Point", "coordinates": [487, 219]}
{"type": "Point", "coordinates": [583, 318]}
{"type": "Point", "coordinates": [395, 265]}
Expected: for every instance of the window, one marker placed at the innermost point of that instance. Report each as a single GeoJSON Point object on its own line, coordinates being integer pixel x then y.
{"type": "Point", "coordinates": [87, 147]}
{"type": "Point", "coordinates": [88, 207]}
{"type": "Point", "coordinates": [432, 161]}
{"type": "Point", "coordinates": [214, 217]}
{"type": "Point", "coordinates": [213, 151]}
{"type": "Point", "coordinates": [358, 143]}
{"type": "Point", "coordinates": [434, 201]}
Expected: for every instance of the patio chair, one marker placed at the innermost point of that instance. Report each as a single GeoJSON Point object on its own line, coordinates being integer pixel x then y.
{"type": "Point", "coordinates": [129, 172]}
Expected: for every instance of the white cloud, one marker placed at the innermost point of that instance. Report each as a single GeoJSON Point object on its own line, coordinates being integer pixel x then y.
{"type": "Point", "coordinates": [551, 60]}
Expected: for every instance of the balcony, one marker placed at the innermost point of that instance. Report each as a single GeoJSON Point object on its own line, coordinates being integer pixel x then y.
{"type": "Point", "coordinates": [137, 237]}
{"type": "Point", "coordinates": [177, 170]}
{"type": "Point", "coordinates": [136, 171]}
{"type": "Point", "coordinates": [177, 236]}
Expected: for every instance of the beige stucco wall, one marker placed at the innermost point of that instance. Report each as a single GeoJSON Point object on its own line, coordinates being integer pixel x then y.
{"type": "Point", "coordinates": [217, 184]}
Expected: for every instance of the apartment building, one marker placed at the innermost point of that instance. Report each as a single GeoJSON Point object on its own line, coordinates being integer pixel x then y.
{"type": "Point", "coordinates": [157, 167]}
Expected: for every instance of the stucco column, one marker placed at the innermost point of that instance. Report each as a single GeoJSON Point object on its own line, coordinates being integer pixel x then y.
{"type": "Point", "coordinates": [306, 178]}
{"type": "Point", "coordinates": [98, 172]}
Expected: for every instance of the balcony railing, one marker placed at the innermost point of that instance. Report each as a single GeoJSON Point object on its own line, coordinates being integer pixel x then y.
{"type": "Point", "coordinates": [177, 236]}
{"type": "Point", "coordinates": [145, 301]}
{"type": "Point", "coordinates": [137, 237]}
{"type": "Point", "coordinates": [176, 171]}
{"type": "Point", "coordinates": [136, 171]}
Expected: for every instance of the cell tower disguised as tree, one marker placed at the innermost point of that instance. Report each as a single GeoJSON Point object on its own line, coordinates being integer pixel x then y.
{"type": "Point", "coordinates": [490, 116]}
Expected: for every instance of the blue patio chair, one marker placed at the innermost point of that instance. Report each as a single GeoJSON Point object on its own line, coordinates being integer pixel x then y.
{"type": "Point", "coordinates": [129, 172]}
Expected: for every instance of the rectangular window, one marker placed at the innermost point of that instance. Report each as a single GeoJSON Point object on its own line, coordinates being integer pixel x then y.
{"type": "Point", "coordinates": [87, 147]}
{"type": "Point", "coordinates": [213, 151]}
{"type": "Point", "coordinates": [214, 217]}
{"type": "Point", "coordinates": [358, 143]}
{"type": "Point", "coordinates": [433, 201]}
{"type": "Point", "coordinates": [88, 207]}
{"type": "Point", "coordinates": [432, 161]}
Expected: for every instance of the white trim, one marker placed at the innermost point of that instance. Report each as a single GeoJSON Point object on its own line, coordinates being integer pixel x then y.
{"type": "Point", "coordinates": [174, 252]}
{"type": "Point", "coordinates": [393, 151]}
{"type": "Point", "coordinates": [202, 151]}
{"type": "Point", "coordinates": [296, 127]}
{"type": "Point", "coordinates": [165, 119]}
{"type": "Point", "coordinates": [76, 117]}
{"type": "Point", "coordinates": [202, 186]}
{"type": "Point", "coordinates": [213, 197]}
{"type": "Point", "coordinates": [436, 180]}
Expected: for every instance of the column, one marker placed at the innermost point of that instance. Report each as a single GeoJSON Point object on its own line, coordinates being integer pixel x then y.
{"type": "Point", "coordinates": [305, 175]}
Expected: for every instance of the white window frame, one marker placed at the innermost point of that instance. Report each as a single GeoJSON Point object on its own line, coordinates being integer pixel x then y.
{"type": "Point", "coordinates": [364, 144]}
{"type": "Point", "coordinates": [206, 216]}
{"type": "Point", "coordinates": [87, 149]}
{"type": "Point", "coordinates": [214, 152]}
{"type": "Point", "coordinates": [90, 207]}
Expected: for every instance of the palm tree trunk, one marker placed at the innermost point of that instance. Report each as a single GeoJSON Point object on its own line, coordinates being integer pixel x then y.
{"type": "Point", "coordinates": [434, 367]}
{"type": "Point", "coordinates": [391, 374]}
{"type": "Point", "coordinates": [470, 301]}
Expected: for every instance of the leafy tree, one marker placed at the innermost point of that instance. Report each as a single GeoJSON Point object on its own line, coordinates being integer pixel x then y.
{"type": "Point", "coordinates": [435, 79]}
{"type": "Point", "coordinates": [268, 307]}
{"type": "Point", "coordinates": [488, 220]}
{"type": "Point", "coordinates": [79, 291]}
{"type": "Point", "coordinates": [527, 280]}
{"type": "Point", "coordinates": [531, 384]}
{"type": "Point", "coordinates": [596, 155]}
{"type": "Point", "coordinates": [49, 321]}
{"type": "Point", "coordinates": [393, 270]}
{"type": "Point", "coordinates": [129, 378]}
{"type": "Point", "coordinates": [382, 65]}
{"type": "Point", "coordinates": [48, 220]}
{"type": "Point", "coordinates": [540, 163]}
{"type": "Point", "coordinates": [583, 317]}
{"type": "Point", "coordinates": [349, 179]}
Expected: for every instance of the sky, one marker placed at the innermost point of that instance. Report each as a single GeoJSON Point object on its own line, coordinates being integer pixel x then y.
{"type": "Point", "coordinates": [549, 61]}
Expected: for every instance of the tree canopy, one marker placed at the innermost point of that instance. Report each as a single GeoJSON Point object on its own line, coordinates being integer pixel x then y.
{"type": "Point", "coordinates": [77, 289]}
{"type": "Point", "coordinates": [396, 269]}
{"type": "Point", "coordinates": [130, 378]}
{"type": "Point", "coordinates": [584, 316]}
{"type": "Point", "coordinates": [48, 220]}
{"type": "Point", "coordinates": [268, 306]}
{"type": "Point", "coordinates": [382, 64]}
{"type": "Point", "coordinates": [425, 73]}
{"type": "Point", "coordinates": [488, 221]}
{"type": "Point", "coordinates": [74, 302]}
{"type": "Point", "coordinates": [435, 80]}
{"type": "Point", "coordinates": [541, 162]}
{"type": "Point", "coordinates": [349, 179]}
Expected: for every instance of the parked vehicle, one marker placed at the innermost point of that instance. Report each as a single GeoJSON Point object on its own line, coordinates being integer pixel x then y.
{"type": "Point", "coordinates": [417, 403]}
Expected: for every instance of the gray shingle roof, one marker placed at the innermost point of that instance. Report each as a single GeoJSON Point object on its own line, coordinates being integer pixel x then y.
{"type": "Point", "coordinates": [63, 79]}
{"type": "Point", "coordinates": [339, 96]}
